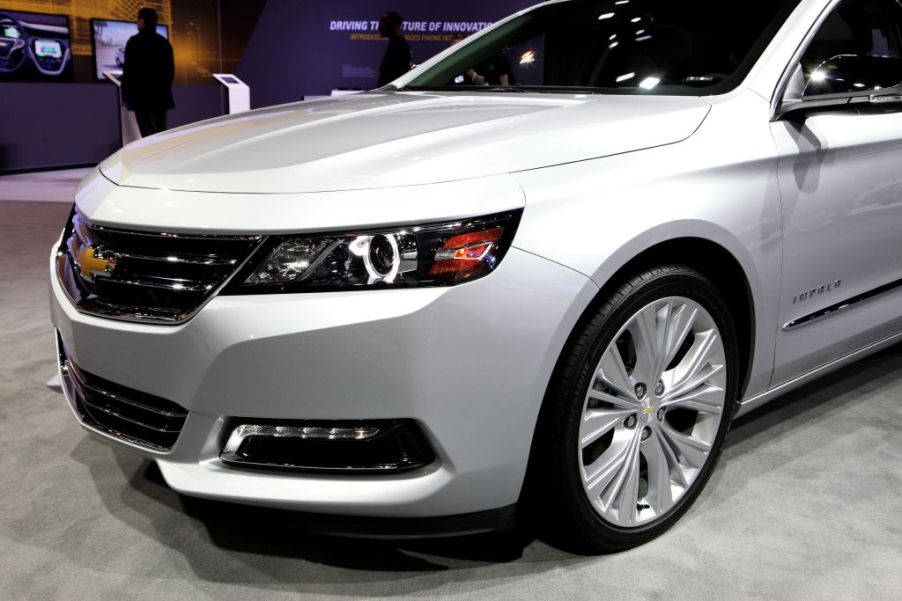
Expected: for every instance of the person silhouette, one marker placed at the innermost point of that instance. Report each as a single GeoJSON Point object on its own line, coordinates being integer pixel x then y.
{"type": "Point", "coordinates": [398, 57]}
{"type": "Point", "coordinates": [147, 75]}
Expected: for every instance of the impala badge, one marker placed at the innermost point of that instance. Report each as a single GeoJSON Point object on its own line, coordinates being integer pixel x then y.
{"type": "Point", "coordinates": [809, 294]}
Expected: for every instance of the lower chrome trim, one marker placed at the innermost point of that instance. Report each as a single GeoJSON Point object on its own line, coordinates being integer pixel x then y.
{"type": "Point", "coordinates": [339, 447]}
{"type": "Point", "coordinates": [842, 305]}
{"type": "Point", "coordinates": [74, 387]}
{"type": "Point", "coordinates": [760, 399]}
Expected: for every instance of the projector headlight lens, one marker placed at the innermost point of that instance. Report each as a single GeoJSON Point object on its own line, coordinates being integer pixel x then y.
{"type": "Point", "coordinates": [442, 254]}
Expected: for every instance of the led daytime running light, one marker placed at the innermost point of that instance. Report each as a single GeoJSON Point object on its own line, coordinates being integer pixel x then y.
{"type": "Point", "coordinates": [441, 254]}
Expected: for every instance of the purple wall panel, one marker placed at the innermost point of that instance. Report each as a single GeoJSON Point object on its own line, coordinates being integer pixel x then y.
{"type": "Point", "coordinates": [314, 46]}
{"type": "Point", "coordinates": [45, 125]}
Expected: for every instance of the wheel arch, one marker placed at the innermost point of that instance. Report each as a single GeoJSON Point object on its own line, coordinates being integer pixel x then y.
{"type": "Point", "coordinates": [712, 258]}
{"type": "Point", "coordinates": [714, 261]}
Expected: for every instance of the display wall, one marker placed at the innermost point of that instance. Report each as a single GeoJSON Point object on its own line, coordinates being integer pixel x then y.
{"type": "Point", "coordinates": [310, 47]}
{"type": "Point", "coordinates": [49, 124]}
{"type": "Point", "coordinates": [285, 50]}
{"type": "Point", "coordinates": [207, 35]}
{"type": "Point", "coordinates": [34, 46]}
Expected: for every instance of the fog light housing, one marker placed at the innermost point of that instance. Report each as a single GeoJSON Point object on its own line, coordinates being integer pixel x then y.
{"type": "Point", "coordinates": [365, 447]}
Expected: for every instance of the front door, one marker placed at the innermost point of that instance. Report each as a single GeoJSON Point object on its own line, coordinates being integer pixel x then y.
{"type": "Point", "coordinates": [841, 184]}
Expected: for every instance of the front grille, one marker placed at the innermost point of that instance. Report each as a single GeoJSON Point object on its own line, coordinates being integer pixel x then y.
{"type": "Point", "coordinates": [145, 276]}
{"type": "Point", "coordinates": [119, 411]}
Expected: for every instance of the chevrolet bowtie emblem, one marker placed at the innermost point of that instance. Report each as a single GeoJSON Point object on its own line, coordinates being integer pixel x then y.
{"type": "Point", "coordinates": [89, 264]}
{"type": "Point", "coordinates": [648, 410]}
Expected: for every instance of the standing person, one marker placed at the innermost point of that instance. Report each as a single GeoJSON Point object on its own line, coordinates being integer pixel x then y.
{"type": "Point", "coordinates": [398, 57]}
{"type": "Point", "coordinates": [147, 75]}
{"type": "Point", "coordinates": [497, 71]}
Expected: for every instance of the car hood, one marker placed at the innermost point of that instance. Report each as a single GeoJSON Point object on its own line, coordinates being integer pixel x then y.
{"type": "Point", "coordinates": [373, 140]}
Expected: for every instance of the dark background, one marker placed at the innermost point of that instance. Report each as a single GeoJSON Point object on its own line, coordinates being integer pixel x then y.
{"type": "Point", "coordinates": [284, 49]}
{"type": "Point", "coordinates": [292, 52]}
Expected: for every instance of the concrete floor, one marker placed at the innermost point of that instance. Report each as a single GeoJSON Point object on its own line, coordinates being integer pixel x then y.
{"type": "Point", "coordinates": [46, 186]}
{"type": "Point", "coordinates": [806, 503]}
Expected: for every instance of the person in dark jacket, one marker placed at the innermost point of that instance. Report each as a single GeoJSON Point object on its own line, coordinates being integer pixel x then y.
{"type": "Point", "coordinates": [398, 57]}
{"type": "Point", "coordinates": [147, 75]}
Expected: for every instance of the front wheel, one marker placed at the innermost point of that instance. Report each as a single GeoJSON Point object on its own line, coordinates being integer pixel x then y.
{"type": "Point", "coordinates": [639, 410]}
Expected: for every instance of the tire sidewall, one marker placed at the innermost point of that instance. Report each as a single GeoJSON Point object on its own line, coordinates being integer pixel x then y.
{"type": "Point", "coordinates": [601, 330]}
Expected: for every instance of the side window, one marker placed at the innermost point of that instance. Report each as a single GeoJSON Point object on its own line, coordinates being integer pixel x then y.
{"type": "Point", "coordinates": [863, 28]}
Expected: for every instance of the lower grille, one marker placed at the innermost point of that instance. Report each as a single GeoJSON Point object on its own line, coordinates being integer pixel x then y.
{"type": "Point", "coordinates": [121, 412]}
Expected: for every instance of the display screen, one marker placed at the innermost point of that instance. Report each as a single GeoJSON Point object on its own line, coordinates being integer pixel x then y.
{"type": "Point", "coordinates": [34, 47]}
{"type": "Point", "coordinates": [110, 38]}
{"type": "Point", "coordinates": [48, 48]}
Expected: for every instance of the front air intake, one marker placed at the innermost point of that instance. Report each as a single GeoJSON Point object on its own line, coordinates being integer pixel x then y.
{"type": "Point", "coordinates": [365, 447]}
{"type": "Point", "coordinates": [121, 412]}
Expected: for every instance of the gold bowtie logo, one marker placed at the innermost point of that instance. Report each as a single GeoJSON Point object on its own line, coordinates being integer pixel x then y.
{"type": "Point", "coordinates": [648, 410]}
{"type": "Point", "coordinates": [89, 264]}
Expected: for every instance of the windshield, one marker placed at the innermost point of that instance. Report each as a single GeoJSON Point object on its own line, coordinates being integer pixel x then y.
{"type": "Point", "coordinates": [683, 47]}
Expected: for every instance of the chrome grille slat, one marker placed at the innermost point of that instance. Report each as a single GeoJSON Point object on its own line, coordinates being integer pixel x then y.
{"type": "Point", "coordinates": [120, 399]}
{"type": "Point", "coordinates": [175, 286]}
{"type": "Point", "coordinates": [213, 260]}
{"type": "Point", "coordinates": [172, 236]}
{"type": "Point", "coordinates": [130, 420]}
{"type": "Point", "coordinates": [115, 410]}
{"type": "Point", "coordinates": [145, 276]}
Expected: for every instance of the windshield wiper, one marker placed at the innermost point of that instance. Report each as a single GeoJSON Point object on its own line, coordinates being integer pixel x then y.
{"type": "Point", "coordinates": [496, 88]}
{"type": "Point", "coordinates": [462, 88]}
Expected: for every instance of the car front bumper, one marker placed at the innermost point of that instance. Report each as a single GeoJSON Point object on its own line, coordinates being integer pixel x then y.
{"type": "Point", "coordinates": [470, 364]}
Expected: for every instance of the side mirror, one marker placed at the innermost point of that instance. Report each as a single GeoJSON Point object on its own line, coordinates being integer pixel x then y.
{"type": "Point", "coordinates": [842, 81]}
{"type": "Point", "coordinates": [849, 73]}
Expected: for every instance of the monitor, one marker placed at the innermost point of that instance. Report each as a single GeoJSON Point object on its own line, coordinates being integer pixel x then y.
{"type": "Point", "coordinates": [34, 46]}
{"type": "Point", "coordinates": [109, 39]}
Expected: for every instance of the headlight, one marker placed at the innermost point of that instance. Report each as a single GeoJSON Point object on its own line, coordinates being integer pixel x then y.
{"type": "Point", "coordinates": [442, 254]}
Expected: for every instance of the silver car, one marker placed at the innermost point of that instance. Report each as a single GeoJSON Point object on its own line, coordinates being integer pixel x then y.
{"type": "Point", "coordinates": [536, 277]}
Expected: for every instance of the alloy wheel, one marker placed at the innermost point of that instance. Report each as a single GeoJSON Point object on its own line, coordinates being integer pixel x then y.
{"type": "Point", "coordinates": [652, 412]}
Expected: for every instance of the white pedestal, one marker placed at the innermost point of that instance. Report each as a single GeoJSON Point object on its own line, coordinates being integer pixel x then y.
{"type": "Point", "coordinates": [128, 126]}
{"type": "Point", "coordinates": [239, 92]}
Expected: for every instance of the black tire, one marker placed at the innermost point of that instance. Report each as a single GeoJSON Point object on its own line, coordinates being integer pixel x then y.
{"type": "Point", "coordinates": [554, 494]}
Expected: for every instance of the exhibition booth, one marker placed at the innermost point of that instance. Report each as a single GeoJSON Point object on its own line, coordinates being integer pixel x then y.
{"type": "Point", "coordinates": [472, 300]}
{"type": "Point", "coordinates": [59, 65]}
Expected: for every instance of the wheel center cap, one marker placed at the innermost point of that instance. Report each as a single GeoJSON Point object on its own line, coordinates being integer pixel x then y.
{"type": "Point", "coordinates": [646, 411]}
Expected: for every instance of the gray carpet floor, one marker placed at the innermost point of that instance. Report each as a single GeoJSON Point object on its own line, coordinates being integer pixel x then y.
{"type": "Point", "coordinates": [806, 504]}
